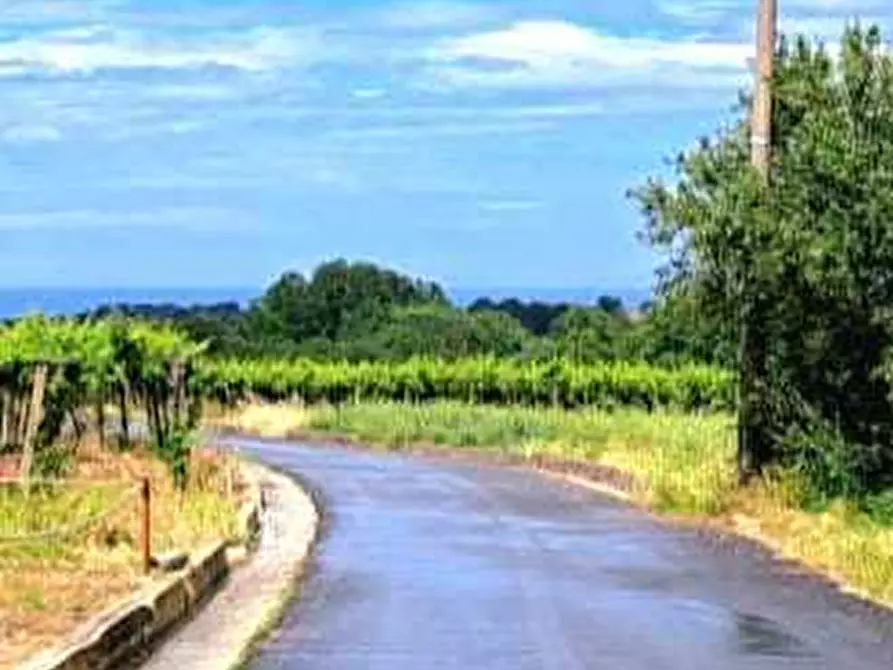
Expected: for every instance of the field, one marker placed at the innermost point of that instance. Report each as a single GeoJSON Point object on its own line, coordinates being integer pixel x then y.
{"type": "Point", "coordinates": [683, 466]}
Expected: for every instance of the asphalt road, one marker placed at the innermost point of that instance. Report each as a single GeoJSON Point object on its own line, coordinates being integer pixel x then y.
{"type": "Point", "coordinates": [436, 565]}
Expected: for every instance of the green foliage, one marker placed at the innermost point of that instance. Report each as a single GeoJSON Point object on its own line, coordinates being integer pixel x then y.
{"type": "Point", "coordinates": [478, 380]}
{"type": "Point", "coordinates": [805, 262]}
{"type": "Point", "coordinates": [90, 364]}
{"type": "Point", "coordinates": [358, 311]}
{"type": "Point", "coordinates": [176, 452]}
{"type": "Point", "coordinates": [443, 332]}
{"type": "Point", "coordinates": [340, 301]}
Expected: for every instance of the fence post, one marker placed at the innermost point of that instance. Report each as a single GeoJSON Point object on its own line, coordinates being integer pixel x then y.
{"type": "Point", "coordinates": [146, 524]}
{"type": "Point", "coordinates": [35, 416]}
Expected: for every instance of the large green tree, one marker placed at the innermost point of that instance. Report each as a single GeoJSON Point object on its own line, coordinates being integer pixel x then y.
{"type": "Point", "coordinates": [808, 260]}
{"type": "Point", "coordinates": [340, 301]}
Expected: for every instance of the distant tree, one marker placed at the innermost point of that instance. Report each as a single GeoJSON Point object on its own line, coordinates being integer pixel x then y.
{"type": "Point", "coordinates": [610, 304]}
{"type": "Point", "coordinates": [341, 301]}
{"type": "Point", "coordinates": [536, 317]}
{"type": "Point", "coordinates": [589, 334]}
{"type": "Point", "coordinates": [445, 332]}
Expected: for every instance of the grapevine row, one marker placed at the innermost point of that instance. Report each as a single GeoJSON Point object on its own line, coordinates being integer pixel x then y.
{"type": "Point", "coordinates": [484, 380]}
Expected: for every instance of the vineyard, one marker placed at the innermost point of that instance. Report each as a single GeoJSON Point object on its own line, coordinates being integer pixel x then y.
{"type": "Point", "coordinates": [62, 376]}
{"type": "Point", "coordinates": [59, 376]}
{"type": "Point", "coordinates": [477, 381]}
{"type": "Point", "coordinates": [56, 373]}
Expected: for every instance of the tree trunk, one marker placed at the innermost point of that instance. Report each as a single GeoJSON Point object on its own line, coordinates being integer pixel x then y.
{"type": "Point", "coordinates": [754, 442]}
{"type": "Point", "coordinates": [155, 418]}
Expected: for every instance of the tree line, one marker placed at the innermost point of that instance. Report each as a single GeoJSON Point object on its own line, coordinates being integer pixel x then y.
{"type": "Point", "coordinates": [359, 311]}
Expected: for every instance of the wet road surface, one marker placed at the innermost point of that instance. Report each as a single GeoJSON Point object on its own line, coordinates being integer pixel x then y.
{"type": "Point", "coordinates": [441, 565]}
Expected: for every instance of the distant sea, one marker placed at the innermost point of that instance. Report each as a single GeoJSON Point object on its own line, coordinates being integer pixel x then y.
{"type": "Point", "coordinates": [61, 301]}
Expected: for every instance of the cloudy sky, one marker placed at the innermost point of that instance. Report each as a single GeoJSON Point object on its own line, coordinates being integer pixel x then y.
{"type": "Point", "coordinates": [219, 142]}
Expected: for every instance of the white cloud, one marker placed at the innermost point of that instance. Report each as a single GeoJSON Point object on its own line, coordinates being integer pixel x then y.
{"type": "Point", "coordinates": [825, 28]}
{"type": "Point", "coordinates": [512, 205]}
{"type": "Point", "coordinates": [428, 14]}
{"type": "Point", "coordinates": [87, 50]}
{"type": "Point", "coordinates": [431, 130]}
{"type": "Point", "coordinates": [368, 93]}
{"type": "Point", "coordinates": [572, 110]}
{"type": "Point", "coordinates": [29, 11]}
{"type": "Point", "coordinates": [848, 6]}
{"type": "Point", "coordinates": [30, 134]}
{"type": "Point", "coordinates": [558, 53]}
{"type": "Point", "coordinates": [183, 218]}
{"type": "Point", "coordinates": [697, 11]}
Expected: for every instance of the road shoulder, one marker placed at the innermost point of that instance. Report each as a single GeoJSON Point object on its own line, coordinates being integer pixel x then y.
{"type": "Point", "coordinates": [225, 631]}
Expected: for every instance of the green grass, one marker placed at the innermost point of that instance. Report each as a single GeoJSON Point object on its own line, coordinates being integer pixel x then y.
{"type": "Point", "coordinates": [685, 462]}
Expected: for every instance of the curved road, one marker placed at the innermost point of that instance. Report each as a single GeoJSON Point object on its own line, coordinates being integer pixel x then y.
{"type": "Point", "coordinates": [430, 565]}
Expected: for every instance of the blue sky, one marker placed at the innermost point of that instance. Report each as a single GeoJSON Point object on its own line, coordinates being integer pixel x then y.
{"type": "Point", "coordinates": [219, 142]}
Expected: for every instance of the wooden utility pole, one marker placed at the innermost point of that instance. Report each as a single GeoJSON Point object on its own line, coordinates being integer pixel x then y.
{"type": "Point", "coordinates": [753, 441]}
{"type": "Point", "coordinates": [761, 121]}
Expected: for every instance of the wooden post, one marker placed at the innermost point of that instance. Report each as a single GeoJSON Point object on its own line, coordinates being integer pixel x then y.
{"type": "Point", "coordinates": [146, 524]}
{"type": "Point", "coordinates": [35, 416]}
{"type": "Point", "coordinates": [5, 418]}
{"type": "Point", "coordinates": [752, 438]}
{"type": "Point", "coordinates": [761, 120]}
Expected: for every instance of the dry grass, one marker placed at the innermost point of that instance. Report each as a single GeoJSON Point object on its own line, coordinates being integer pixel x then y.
{"type": "Point", "coordinates": [273, 421]}
{"type": "Point", "coordinates": [684, 465]}
{"type": "Point", "coordinates": [841, 542]}
{"type": "Point", "coordinates": [49, 586]}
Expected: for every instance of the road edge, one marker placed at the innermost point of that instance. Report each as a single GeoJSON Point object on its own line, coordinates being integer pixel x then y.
{"type": "Point", "coordinates": [227, 633]}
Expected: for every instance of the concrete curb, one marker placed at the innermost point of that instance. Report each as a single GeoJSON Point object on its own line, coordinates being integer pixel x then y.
{"type": "Point", "coordinates": [124, 632]}
{"type": "Point", "coordinates": [226, 633]}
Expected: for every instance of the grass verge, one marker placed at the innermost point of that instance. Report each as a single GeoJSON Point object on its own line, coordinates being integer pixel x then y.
{"type": "Point", "coordinates": [51, 583]}
{"type": "Point", "coordinates": [682, 465]}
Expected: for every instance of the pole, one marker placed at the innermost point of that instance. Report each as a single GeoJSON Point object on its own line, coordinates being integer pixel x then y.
{"type": "Point", "coordinates": [752, 438]}
{"type": "Point", "coordinates": [146, 524]}
{"type": "Point", "coordinates": [35, 416]}
{"type": "Point", "coordinates": [761, 121]}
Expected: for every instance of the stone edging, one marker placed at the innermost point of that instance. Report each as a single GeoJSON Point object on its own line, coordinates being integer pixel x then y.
{"type": "Point", "coordinates": [124, 632]}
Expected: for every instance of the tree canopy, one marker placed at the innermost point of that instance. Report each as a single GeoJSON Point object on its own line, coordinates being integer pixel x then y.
{"type": "Point", "coordinates": [812, 255]}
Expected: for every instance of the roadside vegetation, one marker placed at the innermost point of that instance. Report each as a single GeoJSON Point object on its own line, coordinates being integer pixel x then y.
{"type": "Point", "coordinates": [70, 508]}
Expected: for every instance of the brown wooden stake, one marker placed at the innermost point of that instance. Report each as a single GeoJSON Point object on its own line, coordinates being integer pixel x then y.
{"type": "Point", "coordinates": [146, 524]}
{"type": "Point", "coordinates": [35, 416]}
{"type": "Point", "coordinates": [5, 411]}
